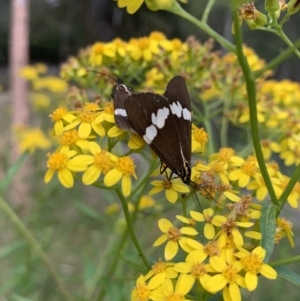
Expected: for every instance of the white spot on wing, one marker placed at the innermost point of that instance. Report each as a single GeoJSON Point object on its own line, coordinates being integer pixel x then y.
{"type": "Point", "coordinates": [120, 112]}
{"type": "Point", "coordinates": [186, 114]}
{"type": "Point", "coordinates": [160, 118]}
{"type": "Point", "coordinates": [176, 109]}
{"type": "Point", "coordinates": [150, 134]}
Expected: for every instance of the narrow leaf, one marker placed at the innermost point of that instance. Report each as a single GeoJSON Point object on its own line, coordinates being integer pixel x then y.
{"type": "Point", "coordinates": [287, 274]}
{"type": "Point", "coordinates": [267, 228]}
{"type": "Point", "coordinates": [13, 169]}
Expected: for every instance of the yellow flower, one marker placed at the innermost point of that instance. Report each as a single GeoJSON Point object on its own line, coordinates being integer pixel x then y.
{"type": "Point", "coordinates": [131, 5]}
{"type": "Point", "coordinates": [41, 68]}
{"type": "Point", "coordinates": [102, 162]}
{"type": "Point", "coordinates": [291, 157]}
{"type": "Point", "coordinates": [121, 47]}
{"type": "Point", "coordinates": [29, 72]}
{"type": "Point", "coordinates": [142, 291]}
{"type": "Point", "coordinates": [107, 114]}
{"type": "Point", "coordinates": [124, 168]}
{"type": "Point", "coordinates": [40, 101]}
{"type": "Point", "coordinates": [197, 269]}
{"type": "Point", "coordinates": [225, 155]}
{"type": "Point", "coordinates": [254, 266]}
{"type": "Point", "coordinates": [146, 202]}
{"type": "Point", "coordinates": [228, 279]}
{"type": "Point", "coordinates": [71, 140]}
{"type": "Point", "coordinates": [201, 252]}
{"type": "Point", "coordinates": [143, 48]}
{"type": "Point", "coordinates": [171, 188]}
{"type": "Point", "coordinates": [30, 139]}
{"type": "Point", "coordinates": [135, 142]}
{"type": "Point", "coordinates": [160, 272]}
{"type": "Point", "coordinates": [59, 117]}
{"type": "Point", "coordinates": [167, 292]}
{"type": "Point", "coordinates": [199, 139]}
{"type": "Point", "coordinates": [261, 189]}
{"type": "Point", "coordinates": [247, 170]}
{"type": "Point", "coordinates": [62, 163]}
{"type": "Point", "coordinates": [207, 215]}
{"type": "Point", "coordinates": [87, 121]}
{"type": "Point", "coordinates": [284, 228]}
{"type": "Point", "coordinates": [229, 230]}
{"type": "Point", "coordinates": [174, 237]}
{"type": "Point", "coordinates": [100, 51]}
{"type": "Point", "coordinates": [50, 83]}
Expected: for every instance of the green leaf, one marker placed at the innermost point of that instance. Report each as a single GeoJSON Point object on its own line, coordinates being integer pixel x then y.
{"type": "Point", "coordinates": [267, 228]}
{"type": "Point", "coordinates": [13, 169]}
{"type": "Point", "coordinates": [287, 274]}
{"type": "Point", "coordinates": [11, 248]}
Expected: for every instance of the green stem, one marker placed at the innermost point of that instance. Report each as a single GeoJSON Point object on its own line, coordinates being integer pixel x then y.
{"type": "Point", "coordinates": [294, 179]}
{"type": "Point", "coordinates": [207, 10]}
{"type": "Point", "coordinates": [287, 41]}
{"type": "Point", "coordinates": [177, 9]}
{"type": "Point", "coordinates": [130, 228]}
{"type": "Point", "coordinates": [285, 261]}
{"type": "Point", "coordinates": [277, 61]}
{"type": "Point", "coordinates": [251, 92]}
{"type": "Point", "coordinates": [36, 248]}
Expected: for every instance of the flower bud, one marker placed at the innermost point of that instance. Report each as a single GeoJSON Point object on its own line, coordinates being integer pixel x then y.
{"type": "Point", "coordinates": [272, 6]}
{"type": "Point", "coordinates": [160, 4]}
{"type": "Point", "coordinates": [293, 6]}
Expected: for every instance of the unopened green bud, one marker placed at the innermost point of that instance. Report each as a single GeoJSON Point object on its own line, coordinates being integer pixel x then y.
{"type": "Point", "coordinates": [272, 6]}
{"type": "Point", "coordinates": [160, 4]}
{"type": "Point", "coordinates": [293, 6]}
{"type": "Point", "coordinates": [260, 19]}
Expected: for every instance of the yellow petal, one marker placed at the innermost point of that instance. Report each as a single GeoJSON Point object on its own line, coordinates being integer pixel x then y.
{"type": "Point", "coordinates": [112, 177]}
{"type": "Point", "coordinates": [126, 185]}
{"type": "Point", "coordinates": [171, 250]}
{"type": "Point", "coordinates": [91, 175]}
{"type": "Point", "coordinates": [66, 178]}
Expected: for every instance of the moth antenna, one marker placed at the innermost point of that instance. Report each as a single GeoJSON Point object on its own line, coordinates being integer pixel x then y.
{"type": "Point", "coordinates": [115, 79]}
{"type": "Point", "coordinates": [198, 201]}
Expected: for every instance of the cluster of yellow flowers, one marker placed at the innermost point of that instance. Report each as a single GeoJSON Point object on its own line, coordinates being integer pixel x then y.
{"type": "Point", "coordinates": [90, 143]}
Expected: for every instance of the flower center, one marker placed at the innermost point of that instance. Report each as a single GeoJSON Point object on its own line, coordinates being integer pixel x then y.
{"type": "Point", "coordinates": [57, 161]}
{"type": "Point", "coordinates": [144, 43]}
{"type": "Point", "coordinates": [174, 234]}
{"type": "Point", "coordinates": [225, 154]}
{"type": "Point", "coordinates": [126, 166]}
{"type": "Point", "coordinates": [211, 249]}
{"type": "Point", "coordinates": [218, 167]}
{"type": "Point", "coordinates": [198, 270]}
{"type": "Point", "coordinates": [175, 297]}
{"type": "Point", "coordinates": [91, 106]}
{"type": "Point", "coordinates": [98, 48]}
{"type": "Point", "coordinates": [252, 263]}
{"type": "Point", "coordinates": [230, 273]}
{"type": "Point", "coordinates": [142, 292]}
{"type": "Point", "coordinates": [69, 137]}
{"type": "Point", "coordinates": [103, 162]}
{"type": "Point", "coordinates": [58, 114]}
{"type": "Point", "coordinates": [159, 267]}
{"type": "Point", "coordinates": [249, 168]}
{"type": "Point", "coordinates": [200, 135]}
{"type": "Point", "coordinates": [109, 108]}
{"type": "Point", "coordinates": [87, 117]}
{"type": "Point", "coordinates": [166, 184]}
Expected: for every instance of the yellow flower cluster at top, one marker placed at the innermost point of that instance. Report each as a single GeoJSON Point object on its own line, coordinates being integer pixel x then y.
{"type": "Point", "coordinates": [92, 145]}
